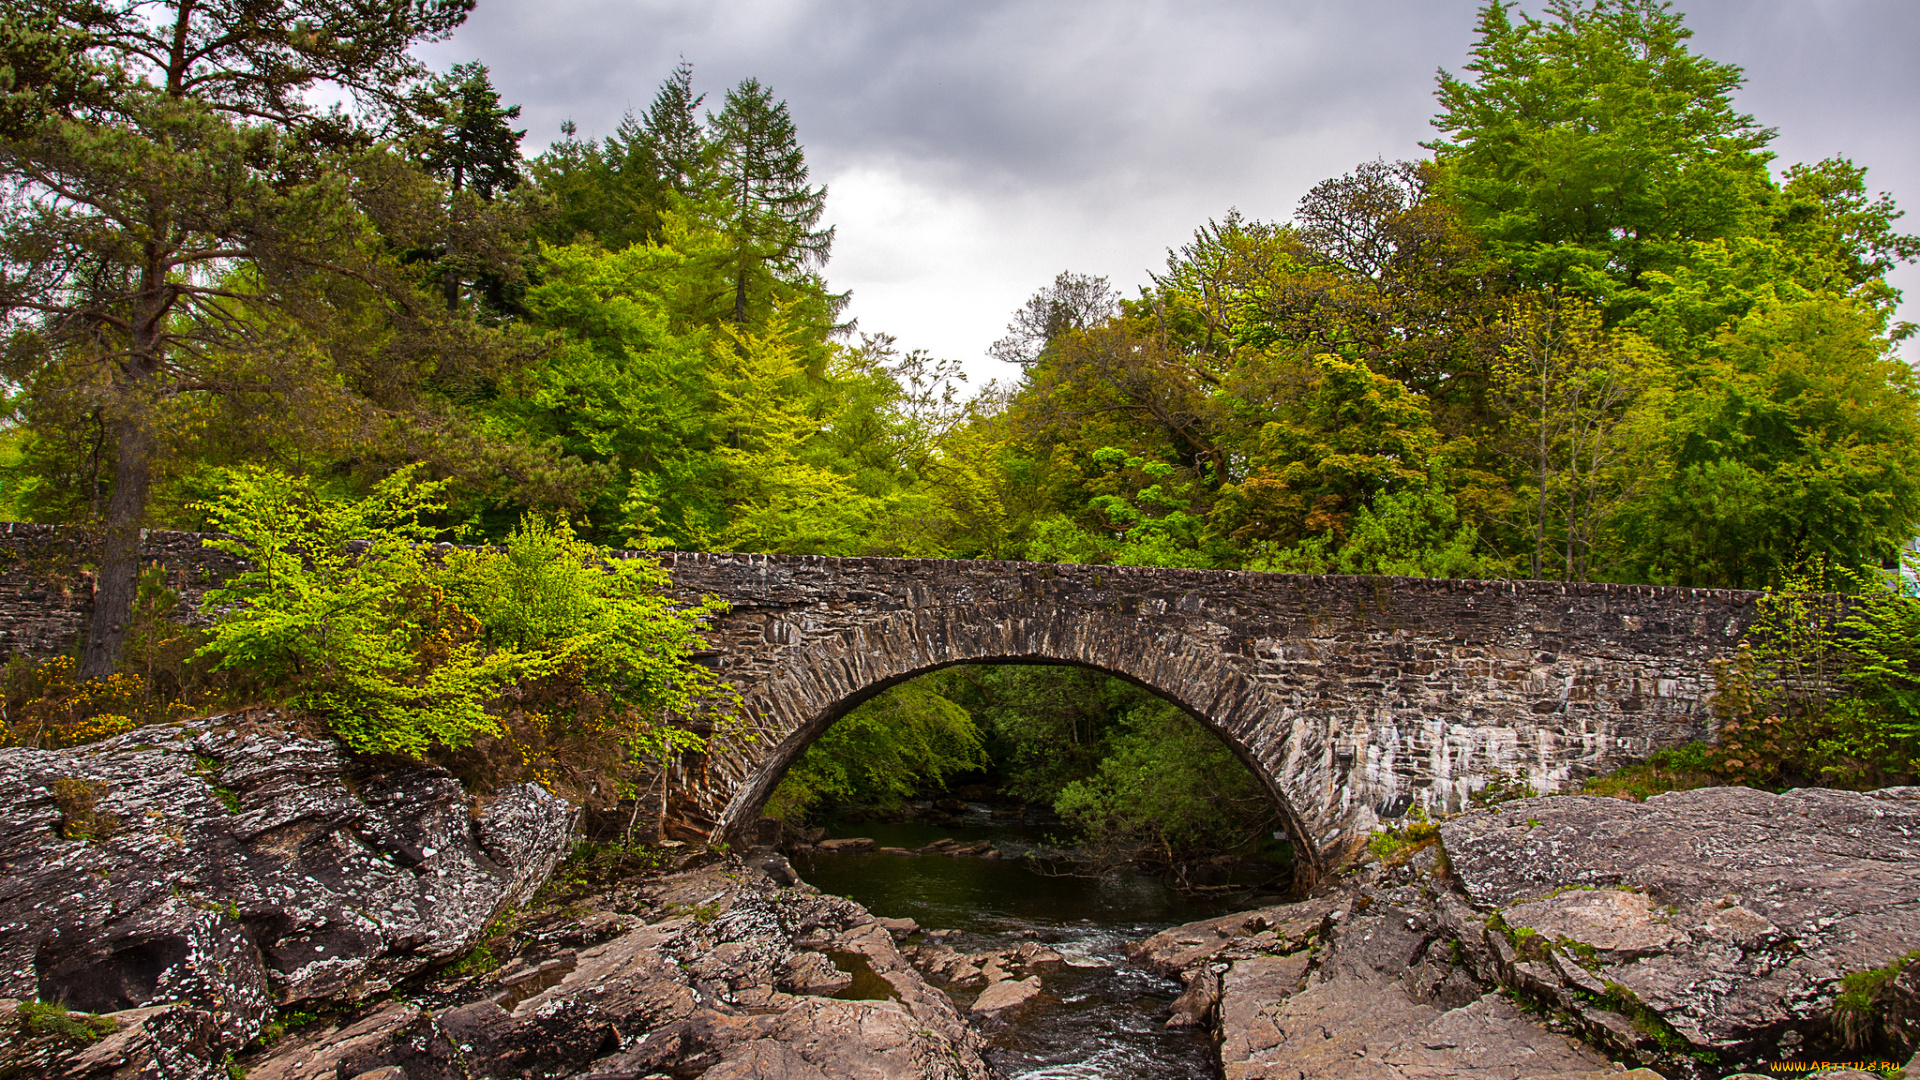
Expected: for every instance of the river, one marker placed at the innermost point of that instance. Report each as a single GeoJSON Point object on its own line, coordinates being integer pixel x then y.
{"type": "Point", "coordinates": [1101, 1017]}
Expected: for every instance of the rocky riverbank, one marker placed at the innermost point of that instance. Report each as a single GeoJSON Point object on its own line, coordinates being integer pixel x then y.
{"type": "Point", "coordinates": [229, 894]}
{"type": "Point", "coordinates": [1701, 933]}
{"type": "Point", "coordinates": [719, 971]}
{"type": "Point", "coordinates": [202, 886]}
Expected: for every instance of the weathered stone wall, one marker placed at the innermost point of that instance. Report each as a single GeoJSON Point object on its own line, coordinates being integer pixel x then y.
{"type": "Point", "coordinates": [46, 582]}
{"type": "Point", "coordinates": [1352, 698]}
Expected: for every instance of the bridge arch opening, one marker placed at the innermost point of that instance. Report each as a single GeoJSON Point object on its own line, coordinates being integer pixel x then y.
{"type": "Point", "coordinates": [1198, 743]}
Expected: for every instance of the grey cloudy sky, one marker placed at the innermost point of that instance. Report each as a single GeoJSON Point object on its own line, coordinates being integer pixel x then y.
{"type": "Point", "coordinates": [975, 148]}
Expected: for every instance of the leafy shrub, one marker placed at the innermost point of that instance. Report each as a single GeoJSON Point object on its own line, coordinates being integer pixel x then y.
{"type": "Point", "coordinates": [48, 707]}
{"type": "Point", "coordinates": [341, 614]}
{"type": "Point", "coordinates": [564, 665]}
{"type": "Point", "coordinates": [1679, 768]}
{"type": "Point", "coordinates": [605, 670]}
{"type": "Point", "coordinates": [1825, 689]}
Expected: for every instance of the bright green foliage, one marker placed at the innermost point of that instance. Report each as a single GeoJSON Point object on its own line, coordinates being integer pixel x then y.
{"type": "Point", "coordinates": [1581, 412]}
{"type": "Point", "coordinates": [905, 741]}
{"type": "Point", "coordinates": [714, 436]}
{"type": "Point", "coordinates": [341, 609]}
{"type": "Point", "coordinates": [1139, 516]}
{"type": "Point", "coordinates": [549, 594]}
{"type": "Point", "coordinates": [1352, 436]}
{"type": "Point", "coordinates": [626, 390]}
{"type": "Point", "coordinates": [777, 496]}
{"type": "Point", "coordinates": [1397, 843]}
{"type": "Point", "coordinates": [1413, 532]}
{"type": "Point", "coordinates": [1822, 689]}
{"type": "Point", "coordinates": [1591, 146]}
{"type": "Point", "coordinates": [1798, 439]}
{"type": "Point", "coordinates": [1170, 786]}
{"type": "Point", "coordinates": [349, 613]}
{"type": "Point", "coordinates": [1866, 1011]}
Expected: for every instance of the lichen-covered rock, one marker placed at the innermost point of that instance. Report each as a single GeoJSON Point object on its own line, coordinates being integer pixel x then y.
{"type": "Point", "coordinates": [1353, 985]}
{"type": "Point", "coordinates": [1731, 914]}
{"type": "Point", "coordinates": [717, 971]}
{"type": "Point", "coordinates": [224, 865]}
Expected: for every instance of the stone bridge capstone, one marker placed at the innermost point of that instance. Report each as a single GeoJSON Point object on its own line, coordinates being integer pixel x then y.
{"type": "Point", "coordinates": [1351, 698]}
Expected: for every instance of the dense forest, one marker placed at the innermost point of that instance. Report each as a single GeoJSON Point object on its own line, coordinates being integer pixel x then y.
{"type": "Point", "coordinates": [1597, 332]}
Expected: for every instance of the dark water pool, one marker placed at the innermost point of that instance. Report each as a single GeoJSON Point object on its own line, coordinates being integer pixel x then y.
{"type": "Point", "coordinates": [1100, 1017]}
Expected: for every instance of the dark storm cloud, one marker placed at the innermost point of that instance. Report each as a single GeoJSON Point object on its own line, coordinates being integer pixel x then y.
{"type": "Point", "coordinates": [1009, 92]}
{"type": "Point", "coordinates": [976, 147]}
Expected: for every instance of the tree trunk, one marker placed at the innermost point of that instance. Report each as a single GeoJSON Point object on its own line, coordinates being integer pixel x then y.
{"type": "Point", "coordinates": [119, 574]}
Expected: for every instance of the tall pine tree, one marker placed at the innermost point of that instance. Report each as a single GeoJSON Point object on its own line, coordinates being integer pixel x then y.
{"type": "Point", "coordinates": [167, 201]}
{"type": "Point", "coordinates": [768, 212]}
{"type": "Point", "coordinates": [458, 130]}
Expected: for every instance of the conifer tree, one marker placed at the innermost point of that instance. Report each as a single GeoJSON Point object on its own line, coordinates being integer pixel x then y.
{"type": "Point", "coordinates": [767, 210]}
{"type": "Point", "coordinates": [671, 133]}
{"type": "Point", "coordinates": [457, 129]}
{"type": "Point", "coordinates": [165, 194]}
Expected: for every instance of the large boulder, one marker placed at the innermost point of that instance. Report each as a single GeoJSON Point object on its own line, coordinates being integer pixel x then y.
{"type": "Point", "coordinates": [1727, 915]}
{"type": "Point", "coordinates": [1703, 933]}
{"type": "Point", "coordinates": [190, 876]}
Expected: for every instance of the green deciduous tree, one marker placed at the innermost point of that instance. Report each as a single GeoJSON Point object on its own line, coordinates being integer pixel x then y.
{"type": "Point", "coordinates": [1577, 405]}
{"type": "Point", "coordinates": [1798, 439]}
{"type": "Point", "coordinates": [1591, 145]}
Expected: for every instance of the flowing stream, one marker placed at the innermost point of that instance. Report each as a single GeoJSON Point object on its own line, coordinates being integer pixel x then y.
{"type": "Point", "coordinates": [1100, 1016]}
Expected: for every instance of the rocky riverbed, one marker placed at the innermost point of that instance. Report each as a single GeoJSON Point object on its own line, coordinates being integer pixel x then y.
{"type": "Point", "coordinates": [228, 894]}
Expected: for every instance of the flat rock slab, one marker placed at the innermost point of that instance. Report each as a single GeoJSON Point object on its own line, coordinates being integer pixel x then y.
{"type": "Point", "coordinates": [1732, 913]}
{"type": "Point", "coordinates": [1282, 928]}
{"type": "Point", "coordinates": [1619, 922]}
{"type": "Point", "coordinates": [1007, 994]}
{"type": "Point", "coordinates": [1349, 1027]}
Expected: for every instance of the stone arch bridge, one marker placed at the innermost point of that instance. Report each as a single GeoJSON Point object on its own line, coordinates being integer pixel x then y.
{"type": "Point", "coordinates": [1351, 698]}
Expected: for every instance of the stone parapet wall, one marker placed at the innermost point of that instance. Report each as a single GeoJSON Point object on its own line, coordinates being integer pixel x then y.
{"type": "Point", "coordinates": [46, 582]}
